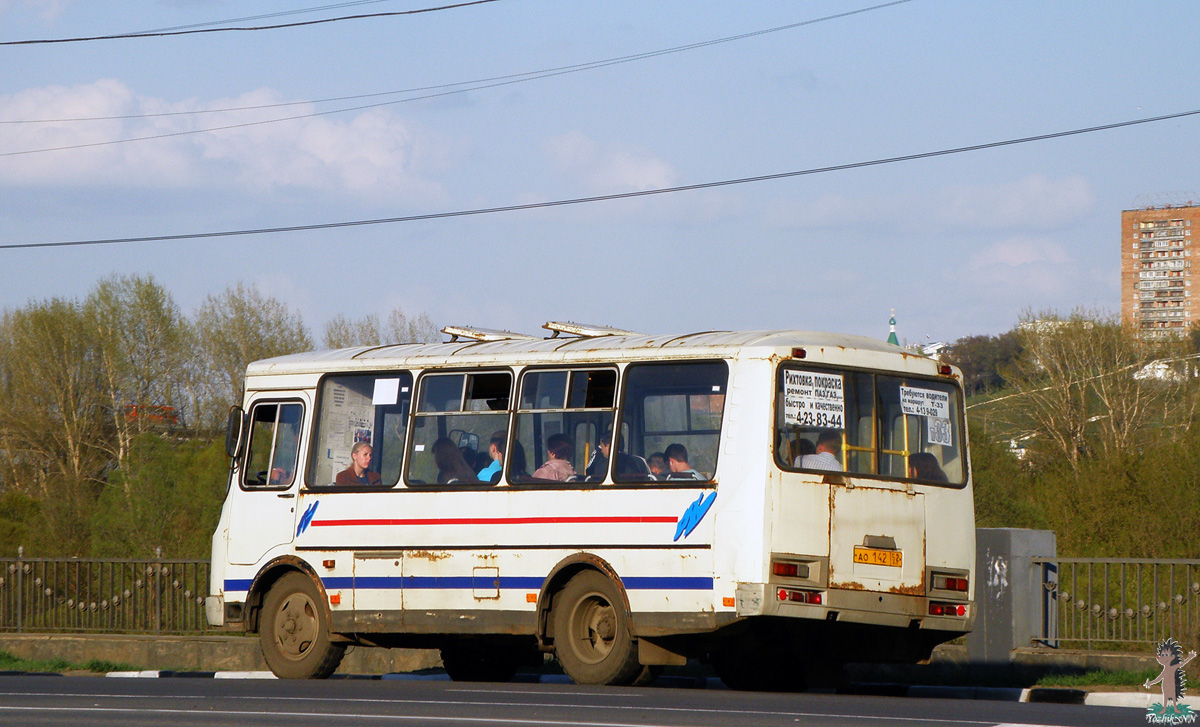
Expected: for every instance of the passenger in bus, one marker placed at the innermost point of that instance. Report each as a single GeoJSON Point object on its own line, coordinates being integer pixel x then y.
{"type": "Point", "coordinates": [518, 466]}
{"type": "Point", "coordinates": [452, 468]}
{"type": "Point", "coordinates": [627, 464]}
{"type": "Point", "coordinates": [658, 465]}
{"type": "Point", "coordinates": [829, 443]}
{"type": "Point", "coordinates": [558, 467]}
{"type": "Point", "coordinates": [358, 473]}
{"type": "Point", "coordinates": [924, 466]}
{"type": "Point", "coordinates": [677, 462]}
{"type": "Point", "coordinates": [491, 473]}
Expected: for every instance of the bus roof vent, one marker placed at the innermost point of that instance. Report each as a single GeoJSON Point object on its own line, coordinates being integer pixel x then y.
{"type": "Point", "coordinates": [585, 331]}
{"type": "Point", "coordinates": [484, 334]}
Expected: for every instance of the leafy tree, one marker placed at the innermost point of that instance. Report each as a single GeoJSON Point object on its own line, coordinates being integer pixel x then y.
{"type": "Point", "coordinates": [175, 490]}
{"type": "Point", "coordinates": [54, 416]}
{"type": "Point", "coordinates": [983, 359]}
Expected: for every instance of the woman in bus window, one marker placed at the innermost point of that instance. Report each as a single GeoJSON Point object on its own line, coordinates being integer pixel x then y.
{"type": "Point", "coordinates": [452, 468]}
{"type": "Point", "coordinates": [558, 467]}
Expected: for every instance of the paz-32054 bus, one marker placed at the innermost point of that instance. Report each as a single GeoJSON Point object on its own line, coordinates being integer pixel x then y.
{"type": "Point", "coordinates": [774, 502]}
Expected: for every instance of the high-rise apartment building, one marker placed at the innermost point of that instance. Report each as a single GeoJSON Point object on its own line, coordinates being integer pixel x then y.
{"type": "Point", "coordinates": [1156, 269]}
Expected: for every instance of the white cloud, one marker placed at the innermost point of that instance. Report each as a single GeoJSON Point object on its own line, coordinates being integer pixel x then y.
{"type": "Point", "coordinates": [45, 9]}
{"type": "Point", "coordinates": [611, 168]}
{"type": "Point", "coordinates": [374, 154]}
{"type": "Point", "coordinates": [1032, 202]}
{"type": "Point", "coordinates": [1022, 266]}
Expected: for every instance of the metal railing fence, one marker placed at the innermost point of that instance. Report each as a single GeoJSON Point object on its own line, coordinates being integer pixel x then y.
{"type": "Point", "coordinates": [1104, 603]}
{"type": "Point", "coordinates": [64, 595]}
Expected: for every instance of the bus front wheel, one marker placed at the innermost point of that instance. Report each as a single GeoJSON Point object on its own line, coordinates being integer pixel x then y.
{"type": "Point", "coordinates": [592, 635]}
{"type": "Point", "coordinates": [295, 631]}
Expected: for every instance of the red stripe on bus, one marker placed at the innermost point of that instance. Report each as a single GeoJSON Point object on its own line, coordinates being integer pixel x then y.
{"type": "Point", "coordinates": [496, 521]}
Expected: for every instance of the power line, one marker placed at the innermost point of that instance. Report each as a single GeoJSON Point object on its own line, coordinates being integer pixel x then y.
{"type": "Point", "coordinates": [473, 85]}
{"type": "Point", "coordinates": [164, 34]}
{"type": "Point", "coordinates": [604, 197]}
{"type": "Point", "coordinates": [264, 16]}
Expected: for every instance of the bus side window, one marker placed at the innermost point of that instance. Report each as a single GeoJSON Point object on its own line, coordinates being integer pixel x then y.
{"type": "Point", "coordinates": [674, 410]}
{"type": "Point", "coordinates": [576, 404]}
{"type": "Point", "coordinates": [458, 416]}
{"type": "Point", "coordinates": [357, 409]}
{"type": "Point", "coordinates": [274, 445]}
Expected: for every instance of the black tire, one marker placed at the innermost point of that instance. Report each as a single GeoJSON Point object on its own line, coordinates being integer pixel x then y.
{"type": "Point", "coordinates": [482, 662]}
{"type": "Point", "coordinates": [592, 635]}
{"type": "Point", "coordinates": [748, 664]}
{"type": "Point", "coordinates": [294, 631]}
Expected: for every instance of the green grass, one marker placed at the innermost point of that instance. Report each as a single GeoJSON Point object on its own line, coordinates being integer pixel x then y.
{"type": "Point", "coordinates": [1099, 678]}
{"type": "Point", "coordinates": [10, 662]}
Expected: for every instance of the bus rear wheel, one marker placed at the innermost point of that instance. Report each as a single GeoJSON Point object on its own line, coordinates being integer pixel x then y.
{"type": "Point", "coordinates": [592, 634]}
{"type": "Point", "coordinates": [294, 632]}
{"type": "Point", "coordinates": [752, 664]}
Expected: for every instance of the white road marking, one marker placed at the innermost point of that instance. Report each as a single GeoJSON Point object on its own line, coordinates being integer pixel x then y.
{"type": "Point", "coordinates": [399, 702]}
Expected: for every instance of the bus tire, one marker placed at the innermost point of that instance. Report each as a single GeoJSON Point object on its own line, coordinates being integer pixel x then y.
{"type": "Point", "coordinates": [750, 664]}
{"type": "Point", "coordinates": [295, 631]}
{"type": "Point", "coordinates": [592, 636]}
{"type": "Point", "coordinates": [480, 663]}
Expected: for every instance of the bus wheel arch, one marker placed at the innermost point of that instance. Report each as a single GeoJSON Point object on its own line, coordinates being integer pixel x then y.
{"type": "Point", "coordinates": [560, 575]}
{"type": "Point", "coordinates": [267, 577]}
{"type": "Point", "coordinates": [588, 621]}
{"type": "Point", "coordinates": [294, 632]}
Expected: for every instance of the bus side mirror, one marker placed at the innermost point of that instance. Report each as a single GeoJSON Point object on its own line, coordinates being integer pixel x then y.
{"type": "Point", "coordinates": [235, 428]}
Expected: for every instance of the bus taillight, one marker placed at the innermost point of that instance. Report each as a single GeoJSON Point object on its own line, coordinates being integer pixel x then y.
{"type": "Point", "coordinates": [947, 609]}
{"type": "Point", "coordinates": [950, 583]}
{"type": "Point", "coordinates": [812, 597]}
{"type": "Point", "coordinates": [786, 569]}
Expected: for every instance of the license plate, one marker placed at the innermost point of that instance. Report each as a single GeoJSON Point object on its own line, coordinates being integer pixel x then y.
{"type": "Point", "coordinates": [875, 556]}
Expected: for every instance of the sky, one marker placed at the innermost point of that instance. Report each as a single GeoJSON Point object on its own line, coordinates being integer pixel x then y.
{"type": "Point", "coordinates": [956, 245]}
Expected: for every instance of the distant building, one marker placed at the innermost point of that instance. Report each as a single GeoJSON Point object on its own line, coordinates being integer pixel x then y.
{"type": "Point", "coordinates": [1156, 269]}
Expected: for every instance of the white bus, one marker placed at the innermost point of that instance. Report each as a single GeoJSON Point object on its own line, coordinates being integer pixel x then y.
{"type": "Point", "coordinates": [773, 502]}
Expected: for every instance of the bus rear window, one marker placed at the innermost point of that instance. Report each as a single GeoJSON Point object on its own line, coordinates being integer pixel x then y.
{"type": "Point", "coordinates": [829, 420]}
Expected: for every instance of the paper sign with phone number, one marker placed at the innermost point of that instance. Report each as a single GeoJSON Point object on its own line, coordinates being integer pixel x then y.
{"type": "Point", "coordinates": [813, 400]}
{"type": "Point", "coordinates": [935, 407]}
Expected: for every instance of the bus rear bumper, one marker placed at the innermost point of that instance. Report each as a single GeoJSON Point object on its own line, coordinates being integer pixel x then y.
{"type": "Point", "coordinates": [871, 608]}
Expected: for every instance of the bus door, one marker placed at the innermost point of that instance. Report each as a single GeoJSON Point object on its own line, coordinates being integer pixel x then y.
{"type": "Point", "coordinates": [263, 496]}
{"type": "Point", "coordinates": [848, 438]}
{"type": "Point", "coordinates": [877, 540]}
{"type": "Point", "coordinates": [877, 525]}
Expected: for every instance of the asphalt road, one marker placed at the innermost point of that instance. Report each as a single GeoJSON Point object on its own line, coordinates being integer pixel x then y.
{"type": "Point", "coordinates": [29, 701]}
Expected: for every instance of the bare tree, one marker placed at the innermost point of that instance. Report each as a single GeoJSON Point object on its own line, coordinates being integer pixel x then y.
{"type": "Point", "coordinates": [341, 332]}
{"type": "Point", "coordinates": [142, 338]}
{"type": "Point", "coordinates": [1081, 384]}
{"type": "Point", "coordinates": [237, 327]}
{"type": "Point", "coordinates": [402, 329]}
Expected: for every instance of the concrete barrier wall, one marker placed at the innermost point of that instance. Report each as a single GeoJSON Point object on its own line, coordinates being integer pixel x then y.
{"type": "Point", "coordinates": [197, 653]}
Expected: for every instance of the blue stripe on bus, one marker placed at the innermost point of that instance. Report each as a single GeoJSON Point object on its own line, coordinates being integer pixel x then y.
{"type": "Point", "coordinates": [525, 583]}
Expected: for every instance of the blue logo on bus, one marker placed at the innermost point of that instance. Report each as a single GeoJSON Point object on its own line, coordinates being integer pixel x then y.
{"type": "Point", "coordinates": [306, 518]}
{"type": "Point", "coordinates": [693, 515]}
